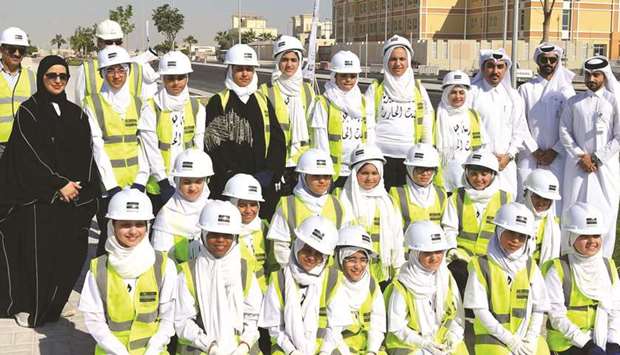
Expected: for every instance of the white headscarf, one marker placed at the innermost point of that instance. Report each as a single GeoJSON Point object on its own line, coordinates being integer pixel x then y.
{"type": "Point", "coordinates": [357, 291]}
{"type": "Point", "coordinates": [593, 281]}
{"type": "Point", "coordinates": [180, 216]}
{"type": "Point", "coordinates": [601, 64]}
{"type": "Point", "coordinates": [423, 196]}
{"type": "Point", "coordinates": [119, 99]}
{"type": "Point", "coordinates": [496, 56]}
{"type": "Point", "coordinates": [169, 102]}
{"type": "Point", "coordinates": [248, 229]}
{"type": "Point", "coordinates": [447, 117]}
{"type": "Point", "coordinates": [129, 263]}
{"type": "Point", "coordinates": [302, 191]}
{"type": "Point", "coordinates": [364, 204]}
{"type": "Point", "coordinates": [349, 102]}
{"type": "Point", "coordinates": [243, 93]}
{"type": "Point", "coordinates": [291, 88]}
{"type": "Point", "coordinates": [480, 198]}
{"type": "Point", "coordinates": [220, 296]}
{"type": "Point", "coordinates": [552, 239]}
{"type": "Point", "coordinates": [562, 77]}
{"type": "Point", "coordinates": [511, 263]}
{"type": "Point", "coordinates": [398, 88]}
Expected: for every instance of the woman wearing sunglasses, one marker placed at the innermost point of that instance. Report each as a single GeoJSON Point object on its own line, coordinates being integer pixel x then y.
{"type": "Point", "coordinates": [48, 190]}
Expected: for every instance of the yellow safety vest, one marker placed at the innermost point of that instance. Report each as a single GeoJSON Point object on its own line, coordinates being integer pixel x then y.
{"type": "Point", "coordinates": [119, 136]}
{"type": "Point", "coordinates": [376, 266]}
{"type": "Point", "coordinates": [224, 95]}
{"type": "Point", "coordinates": [580, 309]}
{"type": "Point", "coordinates": [11, 99]}
{"type": "Point", "coordinates": [274, 94]}
{"type": "Point", "coordinates": [539, 237]}
{"type": "Point", "coordinates": [396, 345]}
{"type": "Point", "coordinates": [295, 211]}
{"type": "Point", "coordinates": [474, 237]}
{"type": "Point", "coordinates": [257, 255]}
{"type": "Point", "coordinates": [93, 81]}
{"type": "Point", "coordinates": [164, 132]}
{"type": "Point", "coordinates": [188, 269]}
{"type": "Point", "coordinates": [419, 108]}
{"type": "Point", "coordinates": [331, 283]}
{"type": "Point", "coordinates": [414, 213]}
{"type": "Point", "coordinates": [132, 321]}
{"type": "Point", "coordinates": [335, 130]}
{"type": "Point", "coordinates": [356, 335]}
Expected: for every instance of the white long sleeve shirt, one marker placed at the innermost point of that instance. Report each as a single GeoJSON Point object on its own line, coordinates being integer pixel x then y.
{"type": "Point", "coordinates": [147, 128]}
{"type": "Point", "coordinates": [395, 123]}
{"type": "Point", "coordinates": [94, 313]}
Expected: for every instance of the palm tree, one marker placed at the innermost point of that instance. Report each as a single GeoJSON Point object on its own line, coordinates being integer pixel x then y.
{"type": "Point", "coordinates": [223, 39]}
{"type": "Point", "coordinates": [190, 41]}
{"type": "Point", "coordinates": [266, 36]}
{"type": "Point", "coordinates": [58, 41]}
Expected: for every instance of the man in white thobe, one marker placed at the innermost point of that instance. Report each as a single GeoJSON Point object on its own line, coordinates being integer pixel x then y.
{"type": "Point", "coordinates": [502, 114]}
{"type": "Point", "coordinates": [544, 97]}
{"type": "Point", "coordinates": [590, 133]}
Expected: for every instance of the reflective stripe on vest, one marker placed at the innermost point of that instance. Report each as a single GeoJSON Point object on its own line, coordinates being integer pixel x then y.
{"type": "Point", "coordinates": [255, 256]}
{"type": "Point", "coordinates": [132, 321]}
{"type": "Point", "coordinates": [474, 237]}
{"type": "Point", "coordinates": [11, 99]}
{"type": "Point", "coordinates": [93, 81]}
{"type": "Point", "coordinates": [418, 124]}
{"type": "Point", "coordinates": [165, 132]}
{"type": "Point", "coordinates": [507, 302]}
{"type": "Point", "coordinates": [264, 109]}
{"type": "Point", "coordinates": [412, 212]}
{"type": "Point", "coordinates": [295, 211]}
{"type": "Point", "coordinates": [335, 130]}
{"type": "Point", "coordinates": [375, 263]}
{"type": "Point", "coordinates": [119, 136]}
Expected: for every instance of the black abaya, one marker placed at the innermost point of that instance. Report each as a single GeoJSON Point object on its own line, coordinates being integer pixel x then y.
{"type": "Point", "coordinates": [44, 240]}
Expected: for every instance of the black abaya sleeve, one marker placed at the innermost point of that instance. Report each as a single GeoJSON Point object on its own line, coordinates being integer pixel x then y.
{"type": "Point", "coordinates": [276, 153]}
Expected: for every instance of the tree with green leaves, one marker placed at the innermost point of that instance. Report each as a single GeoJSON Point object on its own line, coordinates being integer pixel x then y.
{"type": "Point", "coordinates": [58, 41]}
{"type": "Point", "coordinates": [123, 16]}
{"type": "Point", "coordinates": [189, 42]}
{"type": "Point", "coordinates": [224, 39]}
{"type": "Point", "coordinates": [547, 6]}
{"type": "Point", "coordinates": [266, 36]}
{"type": "Point", "coordinates": [83, 40]}
{"type": "Point", "coordinates": [248, 36]}
{"type": "Point", "coordinates": [169, 21]}
{"type": "Point", "coordinates": [164, 47]}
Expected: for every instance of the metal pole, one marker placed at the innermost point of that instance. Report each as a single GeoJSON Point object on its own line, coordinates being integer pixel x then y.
{"type": "Point", "coordinates": [239, 19]}
{"type": "Point", "coordinates": [515, 38]}
{"type": "Point", "coordinates": [385, 24]}
{"type": "Point", "coordinates": [505, 23]}
{"type": "Point", "coordinates": [465, 22]}
{"type": "Point", "coordinates": [344, 22]}
{"type": "Point", "coordinates": [366, 54]}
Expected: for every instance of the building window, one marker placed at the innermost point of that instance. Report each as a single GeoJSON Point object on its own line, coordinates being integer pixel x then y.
{"type": "Point", "coordinates": [566, 20]}
{"type": "Point", "coordinates": [600, 49]}
{"type": "Point", "coordinates": [522, 21]}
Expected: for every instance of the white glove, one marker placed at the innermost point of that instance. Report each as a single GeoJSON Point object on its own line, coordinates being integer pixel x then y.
{"type": "Point", "coordinates": [213, 349]}
{"type": "Point", "coordinates": [517, 346]}
{"type": "Point", "coordinates": [452, 341]}
{"type": "Point", "coordinates": [531, 346]}
{"type": "Point", "coordinates": [152, 350]}
{"type": "Point", "coordinates": [242, 349]}
{"type": "Point", "coordinates": [432, 347]}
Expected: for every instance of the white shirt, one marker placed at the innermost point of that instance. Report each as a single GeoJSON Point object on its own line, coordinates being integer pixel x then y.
{"type": "Point", "coordinates": [94, 313]}
{"type": "Point", "coordinates": [147, 127]}
{"type": "Point", "coordinates": [395, 127]}
{"type": "Point", "coordinates": [11, 78]}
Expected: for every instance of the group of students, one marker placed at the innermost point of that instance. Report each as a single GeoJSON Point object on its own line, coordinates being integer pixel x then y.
{"type": "Point", "coordinates": [347, 222]}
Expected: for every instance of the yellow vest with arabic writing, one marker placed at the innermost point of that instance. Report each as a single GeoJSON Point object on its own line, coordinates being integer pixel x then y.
{"type": "Point", "coordinates": [119, 136]}
{"type": "Point", "coordinates": [274, 94]}
{"type": "Point", "coordinates": [335, 132]}
{"type": "Point", "coordinates": [93, 81]}
{"type": "Point", "coordinates": [165, 133]}
{"type": "Point", "coordinates": [413, 212]}
{"type": "Point", "coordinates": [11, 99]}
{"type": "Point", "coordinates": [132, 321]}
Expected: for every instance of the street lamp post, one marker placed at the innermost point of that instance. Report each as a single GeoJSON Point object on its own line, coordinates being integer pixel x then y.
{"type": "Point", "coordinates": [515, 38]}
{"type": "Point", "coordinates": [239, 19]}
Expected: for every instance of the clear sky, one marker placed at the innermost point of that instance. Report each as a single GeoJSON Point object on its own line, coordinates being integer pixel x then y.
{"type": "Point", "coordinates": [42, 19]}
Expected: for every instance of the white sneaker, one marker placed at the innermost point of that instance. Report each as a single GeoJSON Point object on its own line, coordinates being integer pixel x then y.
{"type": "Point", "coordinates": [21, 319]}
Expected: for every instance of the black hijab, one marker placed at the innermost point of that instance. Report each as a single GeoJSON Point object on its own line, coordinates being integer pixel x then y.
{"type": "Point", "coordinates": [42, 96]}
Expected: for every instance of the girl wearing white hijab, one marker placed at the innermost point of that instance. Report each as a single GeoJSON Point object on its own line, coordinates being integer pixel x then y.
{"type": "Point", "coordinates": [310, 198]}
{"type": "Point", "coordinates": [342, 117]}
{"type": "Point", "coordinates": [583, 288]}
{"type": "Point", "coordinates": [372, 207]}
{"type": "Point", "coordinates": [425, 314]}
{"type": "Point", "coordinates": [506, 290]}
{"type": "Point", "coordinates": [218, 299]}
{"type": "Point", "coordinates": [305, 298]}
{"type": "Point", "coordinates": [131, 269]}
{"type": "Point", "coordinates": [171, 123]}
{"type": "Point", "coordinates": [402, 108]}
{"type": "Point", "coordinates": [176, 230]}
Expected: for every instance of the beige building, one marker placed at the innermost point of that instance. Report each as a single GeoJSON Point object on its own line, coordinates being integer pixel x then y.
{"type": "Point", "coordinates": [257, 24]}
{"type": "Point", "coordinates": [302, 26]}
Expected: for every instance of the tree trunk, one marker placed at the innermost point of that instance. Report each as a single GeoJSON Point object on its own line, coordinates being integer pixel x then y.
{"type": "Point", "coordinates": [547, 7]}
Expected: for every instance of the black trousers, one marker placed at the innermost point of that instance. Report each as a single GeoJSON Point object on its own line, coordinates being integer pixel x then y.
{"type": "Point", "coordinates": [102, 221]}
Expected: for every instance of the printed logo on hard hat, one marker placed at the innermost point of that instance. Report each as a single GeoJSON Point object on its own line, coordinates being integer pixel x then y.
{"type": "Point", "coordinates": [591, 220]}
{"type": "Point", "coordinates": [418, 155]}
{"type": "Point", "coordinates": [187, 164]}
{"type": "Point", "coordinates": [172, 63]}
{"type": "Point", "coordinates": [498, 56]}
{"type": "Point", "coordinates": [359, 152]}
{"type": "Point", "coordinates": [435, 238]}
{"type": "Point", "coordinates": [348, 63]}
{"type": "Point", "coordinates": [281, 44]}
{"type": "Point", "coordinates": [132, 206]}
{"type": "Point", "coordinates": [19, 36]}
{"type": "Point", "coordinates": [393, 39]}
{"type": "Point", "coordinates": [112, 55]}
{"type": "Point", "coordinates": [521, 219]}
{"type": "Point", "coordinates": [252, 188]}
{"type": "Point", "coordinates": [476, 157]}
{"type": "Point", "coordinates": [318, 234]}
{"type": "Point", "coordinates": [321, 162]}
{"type": "Point", "coordinates": [223, 218]}
{"type": "Point", "coordinates": [247, 55]}
{"type": "Point", "coordinates": [458, 76]}
{"type": "Point", "coordinates": [553, 188]}
{"type": "Point", "coordinates": [366, 238]}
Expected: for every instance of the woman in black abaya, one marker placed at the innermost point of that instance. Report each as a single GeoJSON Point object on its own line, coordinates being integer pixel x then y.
{"type": "Point", "coordinates": [48, 185]}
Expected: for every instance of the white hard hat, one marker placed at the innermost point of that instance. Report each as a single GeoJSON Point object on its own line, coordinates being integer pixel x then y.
{"type": "Point", "coordinates": [174, 63]}
{"type": "Point", "coordinates": [365, 153]}
{"type": "Point", "coordinates": [243, 187]}
{"type": "Point", "coordinates": [130, 205]}
{"type": "Point", "coordinates": [583, 219]}
{"type": "Point", "coordinates": [397, 41]}
{"type": "Point", "coordinates": [456, 77]}
{"type": "Point", "coordinates": [516, 217]}
{"type": "Point", "coordinates": [315, 162]}
{"type": "Point", "coordinates": [287, 43]}
{"type": "Point", "coordinates": [14, 36]}
{"type": "Point", "coordinates": [108, 29]}
{"type": "Point", "coordinates": [543, 183]}
{"type": "Point", "coordinates": [355, 236]}
{"type": "Point", "coordinates": [453, 175]}
{"type": "Point", "coordinates": [241, 54]}
{"type": "Point", "coordinates": [192, 163]}
{"type": "Point", "coordinates": [113, 55]}
{"type": "Point", "coordinates": [422, 155]}
{"type": "Point", "coordinates": [319, 233]}
{"type": "Point", "coordinates": [483, 158]}
{"type": "Point", "coordinates": [345, 62]}
{"type": "Point", "coordinates": [220, 217]}
{"type": "Point", "coordinates": [426, 236]}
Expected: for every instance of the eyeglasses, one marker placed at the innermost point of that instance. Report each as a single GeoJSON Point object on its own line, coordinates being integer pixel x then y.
{"type": "Point", "coordinates": [13, 49]}
{"type": "Point", "coordinates": [547, 60]}
{"type": "Point", "coordinates": [117, 70]}
{"type": "Point", "coordinates": [179, 77]}
{"type": "Point", "coordinates": [109, 42]}
{"type": "Point", "coordinates": [55, 76]}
